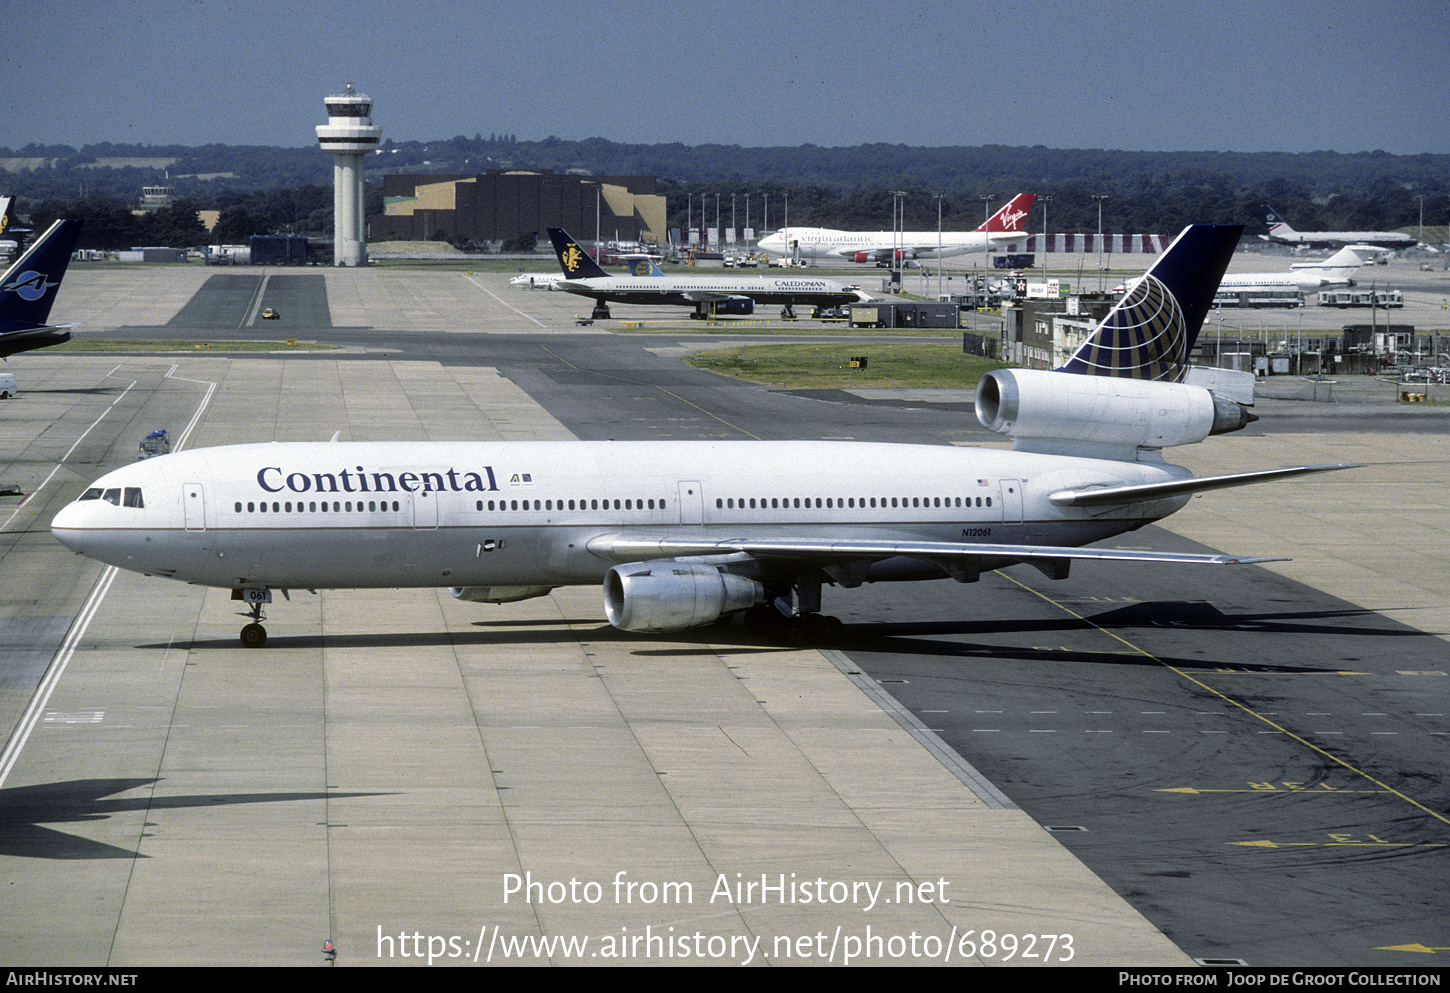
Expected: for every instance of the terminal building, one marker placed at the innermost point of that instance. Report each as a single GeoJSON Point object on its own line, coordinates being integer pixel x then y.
{"type": "Point", "coordinates": [500, 205]}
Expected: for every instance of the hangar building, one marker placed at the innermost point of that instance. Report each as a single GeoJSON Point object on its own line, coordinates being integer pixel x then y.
{"type": "Point", "coordinates": [498, 205]}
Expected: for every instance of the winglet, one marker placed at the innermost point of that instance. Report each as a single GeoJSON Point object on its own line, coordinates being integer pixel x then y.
{"type": "Point", "coordinates": [1150, 331]}
{"type": "Point", "coordinates": [573, 260]}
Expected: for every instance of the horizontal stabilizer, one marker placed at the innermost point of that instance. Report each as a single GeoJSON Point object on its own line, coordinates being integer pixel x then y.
{"type": "Point", "coordinates": [1108, 496]}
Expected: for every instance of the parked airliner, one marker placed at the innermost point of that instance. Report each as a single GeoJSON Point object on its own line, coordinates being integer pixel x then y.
{"type": "Point", "coordinates": [1337, 270]}
{"type": "Point", "coordinates": [28, 289]}
{"type": "Point", "coordinates": [1287, 289]}
{"type": "Point", "coordinates": [1281, 233]}
{"type": "Point", "coordinates": [1002, 228]}
{"type": "Point", "coordinates": [684, 533]}
{"type": "Point", "coordinates": [708, 294]}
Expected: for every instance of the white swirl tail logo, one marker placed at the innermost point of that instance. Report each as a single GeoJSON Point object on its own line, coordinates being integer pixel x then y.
{"type": "Point", "coordinates": [1011, 218]}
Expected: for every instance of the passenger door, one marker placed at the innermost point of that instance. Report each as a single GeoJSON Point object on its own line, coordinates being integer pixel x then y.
{"type": "Point", "coordinates": [425, 509]}
{"type": "Point", "coordinates": [193, 505]}
{"type": "Point", "coordinates": [1011, 494]}
{"type": "Point", "coordinates": [692, 503]}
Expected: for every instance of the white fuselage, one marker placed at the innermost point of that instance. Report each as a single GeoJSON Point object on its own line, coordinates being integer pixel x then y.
{"type": "Point", "coordinates": [829, 243]}
{"type": "Point", "coordinates": [536, 280]}
{"type": "Point", "coordinates": [401, 514]}
{"type": "Point", "coordinates": [1300, 279]}
{"type": "Point", "coordinates": [1284, 235]}
{"type": "Point", "coordinates": [1337, 270]}
{"type": "Point", "coordinates": [695, 289]}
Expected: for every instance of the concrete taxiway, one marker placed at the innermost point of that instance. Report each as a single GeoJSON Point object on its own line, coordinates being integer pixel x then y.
{"type": "Point", "coordinates": [395, 761]}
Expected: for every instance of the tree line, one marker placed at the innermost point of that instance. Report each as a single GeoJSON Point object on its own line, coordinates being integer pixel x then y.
{"type": "Point", "coordinates": [274, 190]}
{"type": "Point", "coordinates": [111, 223]}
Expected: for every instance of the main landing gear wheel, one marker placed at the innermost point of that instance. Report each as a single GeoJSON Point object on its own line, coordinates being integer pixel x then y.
{"type": "Point", "coordinates": [796, 629]}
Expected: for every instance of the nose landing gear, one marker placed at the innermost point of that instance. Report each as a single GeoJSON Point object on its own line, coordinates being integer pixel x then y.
{"type": "Point", "coordinates": [253, 634]}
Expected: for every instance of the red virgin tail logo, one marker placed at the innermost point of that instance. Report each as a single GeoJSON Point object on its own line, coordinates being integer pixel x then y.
{"type": "Point", "coordinates": [1009, 218]}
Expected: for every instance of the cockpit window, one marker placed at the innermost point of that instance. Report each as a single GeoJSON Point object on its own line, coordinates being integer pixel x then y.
{"type": "Point", "coordinates": [129, 496]}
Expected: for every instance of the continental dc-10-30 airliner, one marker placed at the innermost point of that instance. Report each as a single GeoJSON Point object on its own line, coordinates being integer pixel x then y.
{"type": "Point", "coordinates": [684, 533]}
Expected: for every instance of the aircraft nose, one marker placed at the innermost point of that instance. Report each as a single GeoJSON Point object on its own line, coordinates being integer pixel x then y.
{"type": "Point", "coordinates": [67, 526]}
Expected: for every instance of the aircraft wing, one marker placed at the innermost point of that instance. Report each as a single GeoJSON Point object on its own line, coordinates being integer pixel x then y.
{"type": "Point", "coordinates": [873, 252]}
{"type": "Point", "coordinates": [706, 296]}
{"type": "Point", "coordinates": [966, 556]}
{"type": "Point", "coordinates": [1121, 495]}
{"type": "Point", "coordinates": [635, 548]}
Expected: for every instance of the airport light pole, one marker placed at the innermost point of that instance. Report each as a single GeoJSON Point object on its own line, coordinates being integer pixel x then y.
{"type": "Point", "coordinates": [732, 219]}
{"type": "Point", "coordinates": [898, 208]}
{"type": "Point", "coordinates": [1422, 218]}
{"type": "Point", "coordinates": [717, 217]}
{"type": "Point", "coordinates": [1045, 201]}
{"type": "Point", "coordinates": [986, 241]}
{"type": "Point", "coordinates": [1100, 197]}
{"type": "Point", "coordinates": [938, 244]}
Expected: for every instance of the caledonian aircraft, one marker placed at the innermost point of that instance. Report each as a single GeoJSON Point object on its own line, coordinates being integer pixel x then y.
{"type": "Point", "coordinates": [711, 295]}
{"type": "Point", "coordinates": [684, 533]}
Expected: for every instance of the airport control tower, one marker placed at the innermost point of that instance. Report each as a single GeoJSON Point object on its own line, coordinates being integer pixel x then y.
{"type": "Point", "coordinates": [349, 135]}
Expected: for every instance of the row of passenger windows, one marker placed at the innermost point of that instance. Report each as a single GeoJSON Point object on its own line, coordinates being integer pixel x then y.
{"type": "Point", "coordinates": [127, 496]}
{"type": "Point", "coordinates": [311, 507]}
{"type": "Point", "coordinates": [132, 498]}
{"type": "Point", "coordinates": [373, 506]}
{"type": "Point", "coordinates": [573, 505]}
{"type": "Point", "coordinates": [794, 503]}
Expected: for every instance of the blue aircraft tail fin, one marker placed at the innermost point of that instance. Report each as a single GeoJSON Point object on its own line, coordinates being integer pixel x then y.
{"type": "Point", "coordinates": [28, 288]}
{"type": "Point", "coordinates": [643, 265]}
{"type": "Point", "coordinates": [573, 260]}
{"type": "Point", "coordinates": [1276, 220]}
{"type": "Point", "coordinates": [1149, 333]}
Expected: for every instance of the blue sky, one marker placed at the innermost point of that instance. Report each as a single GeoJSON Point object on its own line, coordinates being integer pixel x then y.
{"type": "Point", "coordinates": [1226, 76]}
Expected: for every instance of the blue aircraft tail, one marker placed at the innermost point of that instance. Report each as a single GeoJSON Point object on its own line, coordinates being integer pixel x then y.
{"type": "Point", "coordinates": [28, 288]}
{"type": "Point", "coordinates": [575, 262]}
{"type": "Point", "coordinates": [644, 265]}
{"type": "Point", "coordinates": [1149, 333]}
{"type": "Point", "coordinates": [1273, 218]}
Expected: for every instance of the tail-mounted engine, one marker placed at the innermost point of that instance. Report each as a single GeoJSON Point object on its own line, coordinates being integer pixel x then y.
{"type": "Point", "coordinates": [1060, 406]}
